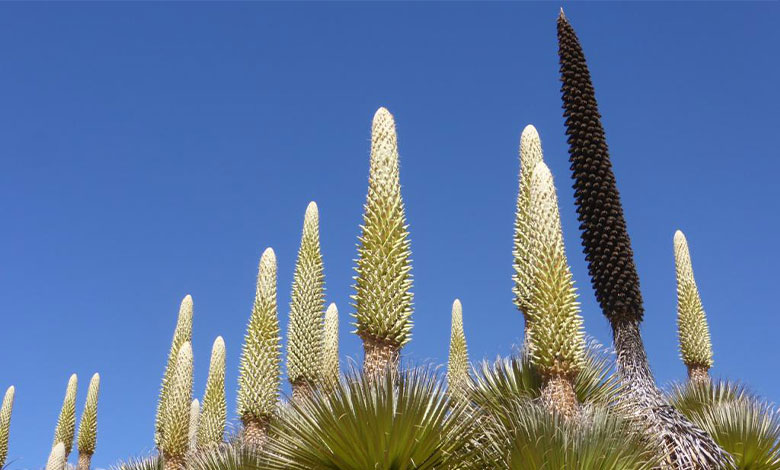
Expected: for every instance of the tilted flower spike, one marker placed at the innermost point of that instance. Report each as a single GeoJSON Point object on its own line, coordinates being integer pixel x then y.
{"type": "Point", "coordinates": [458, 365]}
{"type": "Point", "coordinates": [304, 334]}
{"type": "Point", "coordinates": [383, 295]}
{"type": "Point", "coordinates": [259, 376]}
{"type": "Point", "coordinates": [556, 333]}
{"type": "Point", "coordinates": [181, 335]}
{"type": "Point", "coordinates": [611, 265]}
{"type": "Point", "coordinates": [88, 426]}
{"type": "Point", "coordinates": [57, 458]}
{"type": "Point", "coordinates": [194, 418]}
{"type": "Point", "coordinates": [5, 423]}
{"type": "Point", "coordinates": [66, 423]}
{"type": "Point", "coordinates": [530, 155]}
{"type": "Point", "coordinates": [174, 442]}
{"type": "Point", "coordinates": [695, 344]}
{"type": "Point", "coordinates": [330, 367]}
{"type": "Point", "coordinates": [211, 425]}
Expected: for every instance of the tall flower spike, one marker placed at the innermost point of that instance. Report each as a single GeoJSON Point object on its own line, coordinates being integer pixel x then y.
{"type": "Point", "coordinates": [611, 265]}
{"type": "Point", "coordinates": [174, 442]}
{"type": "Point", "coordinates": [5, 423]}
{"type": "Point", "coordinates": [259, 375]}
{"type": "Point", "coordinates": [695, 344]}
{"type": "Point", "coordinates": [57, 458]}
{"type": "Point", "coordinates": [181, 335]}
{"type": "Point", "coordinates": [88, 425]}
{"type": "Point", "coordinates": [330, 346]}
{"type": "Point", "coordinates": [304, 334]}
{"type": "Point", "coordinates": [458, 365]}
{"type": "Point", "coordinates": [66, 423]}
{"type": "Point", "coordinates": [383, 295]}
{"type": "Point", "coordinates": [194, 418]}
{"type": "Point", "coordinates": [556, 333]}
{"type": "Point", "coordinates": [530, 155]}
{"type": "Point", "coordinates": [211, 425]}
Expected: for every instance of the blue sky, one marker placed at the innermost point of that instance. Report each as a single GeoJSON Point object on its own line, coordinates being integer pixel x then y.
{"type": "Point", "coordinates": [149, 150]}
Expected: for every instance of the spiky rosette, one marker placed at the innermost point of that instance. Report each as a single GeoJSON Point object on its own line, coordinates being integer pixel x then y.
{"type": "Point", "coordinates": [458, 365]}
{"type": "Point", "coordinates": [57, 457]}
{"type": "Point", "coordinates": [181, 335]}
{"type": "Point", "coordinates": [530, 155]}
{"type": "Point", "coordinates": [330, 366]}
{"type": "Point", "coordinates": [192, 435]}
{"type": "Point", "coordinates": [174, 434]}
{"type": "Point", "coordinates": [604, 234]}
{"type": "Point", "coordinates": [383, 296]}
{"type": "Point", "coordinates": [304, 334]}
{"type": "Point", "coordinates": [88, 425]}
{"type": "Point", "coordinates": [259, 374]}
{"type": "Point", "coordinates": [211, 425]}
{"type": "Point", "coordinates": [695, 345]}
{"type": "Point", "coordinates": [66, 423]}
{"type": "Point", "coordinates": [5, 423]}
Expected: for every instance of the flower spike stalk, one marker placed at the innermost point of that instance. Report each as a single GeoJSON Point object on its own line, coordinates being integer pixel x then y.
{"type": "Point", "coordinates": [383, 285]}
{"type": "Point", "coordinates": [88, 426]}
{"type": "Point", "coordinates": [259, 376]}
{"type": "Point", "coordinates": [458, 365]}
{"type": "Point", "coordinates": [66, 423]}
{"type": "Point", "coordinates": [211, 424]}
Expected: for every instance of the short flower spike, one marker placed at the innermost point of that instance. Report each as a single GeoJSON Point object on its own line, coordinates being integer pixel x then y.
{"type": "Point", "coordinates": [174, 434]}
{"type": "Point", "coordinates": [383, 285]}
{"type": "Point", "coordinates": [330, 341]}
{"type": "Point", "coordinates": [304, 334]}
{"type": "Point", "coordinates": [88, 425]}
{"type": "Point", "coordinates": [66, 423]}
{"type": "Point", "coordinates": [458, 365]}
{"type": "Point", "coordinates": [211, 425]}
{"type": "Point", "coordinates": [193, 430]}
{"type": "Point", "coordinates": [5, 423]}
{"type": "Point", "coordinates": [57, 458]}
{"type": "Point", "coordinates": [694, 333]}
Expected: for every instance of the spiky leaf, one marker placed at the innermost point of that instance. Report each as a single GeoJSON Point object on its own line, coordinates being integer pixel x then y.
{"type": "Point", "coordinates": [458, 365]}
{"type": "Point", "coordinates": [66, 423]}
{"type": "Point", "coordinates": [211, 426]}
{"type": "Point", "coordinates": [88, 425]}
{"type": "Point", "coordinates": [174, 434]}
{"type": "Point", "coordinates": [694, 334]}
{"type": "Point", "coordinates": [330, 345]}
{"type": "Point", "coordinates": [383, 296]}
{"type": "Point", "coordinates": [304, 334]}
{"type": "Point", "coordinates": [181, 335]}
{"type": "Point", "coordinates": [259, 375]}
{"type": "Point", "coordinates": [556, 333]}
{"type": "Point", "coordinates": [5, 423]}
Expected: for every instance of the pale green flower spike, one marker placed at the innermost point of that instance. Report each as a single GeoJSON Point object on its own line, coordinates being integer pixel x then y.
{"type": "Point", "coordinates": [695, 345]}
{"type": "Point", "coordinates": [259, 376]}
{"type": "Point", "coordinates": [174, 434]}
{"type": "Point", "coordinates": [57, 458]}
{"type": "Point", "coordinates": [211, 425]}
{"type": "Point", "coordinates": [557, 336]}
{"type": "Point", "coordinates": [530, 155]}
{"type": "Point", "coordinates": [458, 365]}
{"type": "Point", "coordinates": [88, 425]}
{"type": "Point", "coordinates": [383, 296]}
{"type": "Point", "coordinates": [181, 335]}
{"type": "Point", "coordinates": [194, 417]}
{"type": "Point", "coordinates": [330, 345]}
{"type": "Point", "coordinates": [66, 423]}
{"type": "Point", "coordinates": [5, 423]}
{"type": "Point", "coordinates": [304, 334]}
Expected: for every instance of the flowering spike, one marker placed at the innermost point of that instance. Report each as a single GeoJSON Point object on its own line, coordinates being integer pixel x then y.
{"type": "Point", "coordinates": [211, 425]}
{"type": "Point", "coordinates": [181, 335]}
{"type": "Point", "coordinates": [5, 423]}
{"type": "Point", "coordinates": [304, 334]}
{"type": "Point", "coordinates": [66, 423]}
{"type": "Point", "coordinates": [259, 375]}
{"type": "Point", "coordinates": [174, 433]}
{"type": "Point", "coordinates": [458, 365]}
{"type": "Point", "coordinates": [88, 425]}
{"type": "Point", "coordinates": [330, 345]}
{"type": "Point", "coordinates": [192, 435]}
{"type": "Point", "coordinates": [57, 457]}
{"type": "Point", "coordinates": [694, 333]}
{"type": "Point", "coordinates": [383, 297]}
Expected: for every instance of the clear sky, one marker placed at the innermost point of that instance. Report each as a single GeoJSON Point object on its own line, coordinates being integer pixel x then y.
{"type": "Point", "coordinates": [148, 151]}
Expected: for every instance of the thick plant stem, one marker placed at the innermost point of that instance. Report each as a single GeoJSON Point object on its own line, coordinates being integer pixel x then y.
{"type": "Point", "coordinates": [171, 462]}
{"type": "Point", "coordinates": [699, 375]}
{"type": "Point", "coordinates": [379, 356]}
{"type": "Point", "coordinates": [84, 461]}
{"type": "Point", "coordinates": [255, 432]}
{"type": "Point", "coordinates": [558, 395]}
{"type": "Point", "coordinates": [301, 390]}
